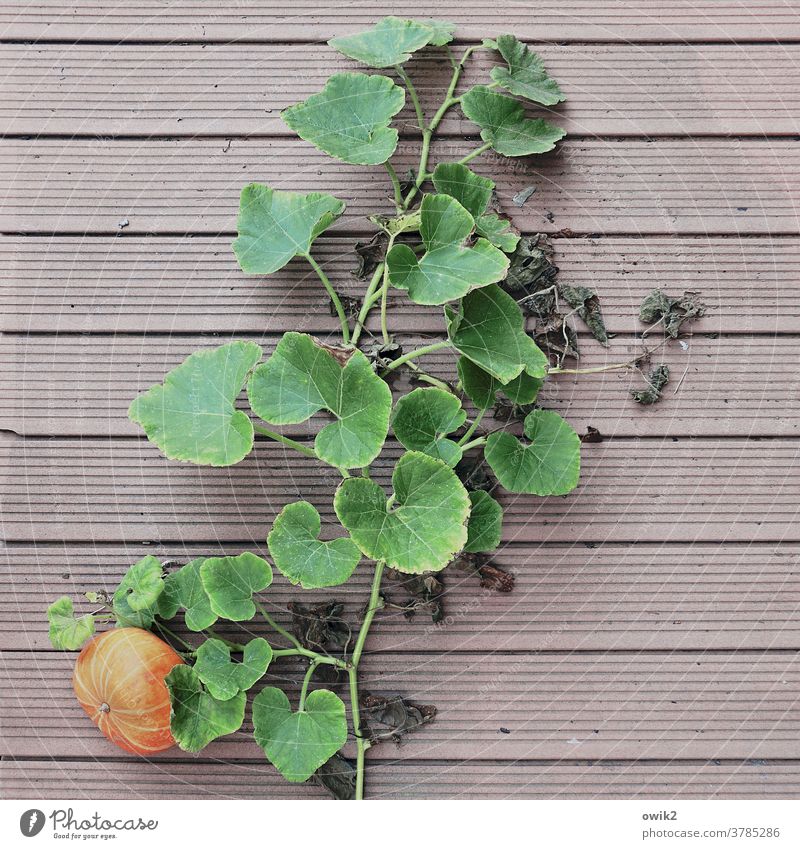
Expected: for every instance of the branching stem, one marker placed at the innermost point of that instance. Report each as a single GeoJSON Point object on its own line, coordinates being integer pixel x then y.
{"type": "Point", "coordinates": [417, 352]}
{"type": "Point", "coordinates": [337, 304]}
{"type": "Point", "coordinates": [472, 428]}
{"type": "Point", "coordinates": [370, 297]}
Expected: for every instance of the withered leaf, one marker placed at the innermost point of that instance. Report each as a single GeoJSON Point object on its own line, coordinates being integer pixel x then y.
{"type": "Point", "coordinates": [587, 305]}
{"type": "Point", "coordinates": [657, 380]}
{"type": "Point", "coordinates": [521, 197]}
{"type": "Point", "coordinates": [505, 410]}
{"type": "Point", "coordinates": [371, 254]}
{"type": "Point", "coordinates": [474, 474]}
{"type": "Point", "coordinates": [389, 718]}
{"type": "Point", "coordinates": [351, 305]}
{"type": "Point", "coordinates": [592, 435]}
{"type": "Point", "coordinates": [673, 313]}
{"type": "Point", "coordinates": [338, 777]}
{"type": "Point", "coordinates": [492, 577]}
{"type": "Point", "coordinates": [531, 271]}
{"type": "Point", "coordinates": [382, 355]}
{"type": "Point", "coordinates": [425, 593]}
{"type": "Point", "coordinates": [320, 627]}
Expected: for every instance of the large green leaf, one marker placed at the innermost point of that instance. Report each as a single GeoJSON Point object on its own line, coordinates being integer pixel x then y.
{"type": "Point", "coordinates": [525, 74]}
{"type": "Point", "coordinates": [197, 717]}
{"type": "Point", "coordinates": [136, 600]}
{"type": "Point", "coordinates": [447, 270]}
{"type": "Point", "coordinates": [67, 631]}
{"type": "Point", "coordinates": [192, 415]}
{"type": "Point", "coordinates": [302, 557]}
{"type": "Point", "coordinates": [422, 420]}
{"type": "Point", "coordinates": [184, 589]}
{"type": "Point", "coordinates": [504, 125]}
{"type": "Point", "coordinates": [349, 119]}
{"type": "Point", "coordinates": [303, 377]}
{"type": "Point", "coordinates": [485, 523]}
{"type": "Point", "coordinates": [392, 41]}
{"type": "Point", "coordinates": [488, 328]}
{"type": "Point", "coordinates": [274, 227]}
{"type": "Point", "coordinates": [298, 743]}
{"type": "Point", "coordinates": [231, 581]}
{"type": "Point", "coordinates": [548, 465]}
{"type": "Point", "coordinates": [222, 677]}
{"type": "Point", "coordinates": [423, 530]}
{"type": "Point", "coordinates": [481, 388]}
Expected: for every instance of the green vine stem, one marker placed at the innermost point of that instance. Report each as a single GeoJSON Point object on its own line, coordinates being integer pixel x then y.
{"type": "Point", "coordinates": [398, 191]}
{"type": "Point", "coordinates": [472, 428]}
{"type": "Point", "coordinates": [475, 153]}
{"type": "Point", "coordinates": [385, 295]}
{"type": "Point", "coordinates": [279, 437]}
{"type": "Point", "coordinates": [337, 304]}
{"type": "Point", "coordinates": [371, 295]}
{"type": "Point", "coordinates": [306, 681]}
{"type": "Point", "coordinates": [417, 352]}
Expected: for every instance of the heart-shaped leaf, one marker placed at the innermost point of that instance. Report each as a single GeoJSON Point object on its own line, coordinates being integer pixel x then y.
{"type": "Point", "coordinates": [481, 388]}
{"type": "Point", "coordinates": [504, 125]}
{"type": "Point", "coordinates": [192, 415]}
{"type": "Point", "coordinates": [447, 270]}
{"type": "Point", "coordinates": [222, 677]}
{"type": "Point", "coordinates": [548, 465]}
{"type": "Point", "coordinates": [485, 523]}
{"type": "Point", "coordinates": [525, 74]}
{"type": "Point", "coordinates": [349, 119]}
{"type": "Point", "coordinates": [302, 377]}
{"type": "Point", "coordinates": [424, 417]}
{"type": "Point", "coordinates": [471, 190]}
{"type": "Point", "coordinates": [392, 41]}
{"type": "Point", "coordinates": [298, 743]}
{"type": "Point", "coordinates": [136, 599]}
{"type": "Point", "coordinates": [67, 631]}
{"type": "Point", "coordinates": [423, 530]}
{"type": "Point", "coordinates": [197, 717]}
{"type": "Point", "coordinates": [488, 328]}
{"type": "Point", "coordinates": [274, 227]}
{"type": "Point", "coordinates": [302, 557]}
{"type": "Point", "coordinates": [184, 588]}
{"type": "Point", "coordinates": [231, 581]}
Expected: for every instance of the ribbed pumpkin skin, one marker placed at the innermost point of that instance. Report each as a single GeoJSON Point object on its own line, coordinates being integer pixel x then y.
{"type": "Point", "coordinates": [119, 681]}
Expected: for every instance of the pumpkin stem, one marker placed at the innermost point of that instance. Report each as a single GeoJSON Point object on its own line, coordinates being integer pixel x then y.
{"type": "Point", "coordinates": [105, 708]}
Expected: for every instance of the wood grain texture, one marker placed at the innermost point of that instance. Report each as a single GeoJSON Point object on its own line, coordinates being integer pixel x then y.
{"type": "Point", "coordinates": [566, 597]}
{"type": "Point", "coordinates": [184, 90]}
{"type": "Point", "coordinates": [188, 186]}
{"type": "Point", "coordinates": [275, 20]}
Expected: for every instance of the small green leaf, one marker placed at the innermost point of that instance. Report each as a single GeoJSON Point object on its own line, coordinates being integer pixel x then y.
{"type": "Point", "coordinates": [423, 530]}
{"type": "Point", "coordinates": [392, 41]}
{"type": "Point", "coordinates": [68, 632]}
{"type": "Point", "coordinates": [525, 75]}
{"type": "Point", "coordinates": [349, 119]}
{"type": "Point", "coordinates": [447, 270]}
{"type": "Point", "coordinates": [137, 597]}
{"type": "Point", "coordinates": [274, 227]}
{"type": "Point", "coordinates": [498, 231]}
{"type": "Point", "coordinates": [222, 677]}
{"type": "Point", "coordinates": [504, 125]}
{"type": "Point", "coordinates": [424, 417]}
{"type": "Point", "coordinates": [548, 465]}
{"type": "Point", "coordinates": [298, 743]}
{"type": "Point", "coordinates": [481, 388]}
{"type": "Point", "coordinates": [192, 415]}
{"type": "Point", "coordinates": [485, 523]}
{"type": "Point", "coordinates": [197, 717]}
{"type": "Point", "coordinates": [302, 557]}
{"type": "Point", "coordinates": [184, 588]}
{"type": "Point", "coordinates": [488, 328]}
{"type": "Point", "coordinates": [302, 377]}
{"type": "Point", "coordinates": [231, 581]}
{"type": "Point", "coordinates": [471, 190]}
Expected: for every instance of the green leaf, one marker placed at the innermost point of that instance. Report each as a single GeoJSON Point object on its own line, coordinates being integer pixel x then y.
{"type": "Point", "coordinates": [423, 530]}
{"type": "Point", "coordinates": [481, 388]}
{"type": "Point", "coordinates": [68, 632]}
{"type": "Point", "coordinates": [488, 328]}
{"type": "Point", "coordinates": [298, 743]}
{"type": "Point", "coordinates": [447, 270]}
{"type": "Point", "coordinates": [349, 119]}
{"type": "Point", "coordinates": [274, 227]}
{"type": "Point", "coordinates": [136, 599]}
{"type": "Point", "coordinates": [525, 75]}
{"type": "Point", "coordinates": [498, 231]}
{"type": "Point", "coordinates": [192, 415]}
{"type": "Point", "coordinates": [184, 588]}
{"type": "Point", "coordinates": [197, 717]}
{"type": "Point", "coordinates": [302, 557]}
{"type": "Point", "coordinates": [504, 125]}
{"type": "Point", "coordinates": [424, 417]}
{"type": "Point", "coordinates": [302, 377]}
{"type": "Point", "coordinates": [548, 465]}
{"type": "Point", "coordinates": [471, 190]}
{"type": "Point", "coordinates": [231, 581]}
{"type": "Point", "coordinates": [485, 523]}
{"type": "Point", "coordinates": [222, 677]}
{"type": "Point", "coordinates": [392, 41]}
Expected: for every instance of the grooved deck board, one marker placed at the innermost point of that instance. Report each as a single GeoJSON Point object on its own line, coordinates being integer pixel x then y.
{"type": "Point", "coordinates": [631, 490]}
{"type": "Point", "coordinates": [192, 186]}
{"type": "Point", "coordinates": [567, 597]}
{"type": "Point", "coordinates": [621, 705]}
{"type": "Point", "coordinates": [183, 90]}
{"type": "Point", "coordinates": [742, 385]}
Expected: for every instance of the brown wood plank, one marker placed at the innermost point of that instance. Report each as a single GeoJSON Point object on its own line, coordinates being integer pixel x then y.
{"type": "Point", "coordinates": [188, 186]}
{"type": "Point", "coordinates": [669, 490]}
{"type": "Point", "coordinates": [734, 385]}
{"type": "Point", "coordinates": [203, 779]}
{"type": "Point", "coordinates": [619, 705]}
{"type": "Point", "coordinates": [224, 90]}
{"type": "Point", "coordinates": [566, 597]}
{"type": "Point", "coordinates": [604, 20]}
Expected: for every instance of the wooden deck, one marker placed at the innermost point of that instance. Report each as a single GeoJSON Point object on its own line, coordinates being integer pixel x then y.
{"type": "Point", "coordinates": [650, 647]}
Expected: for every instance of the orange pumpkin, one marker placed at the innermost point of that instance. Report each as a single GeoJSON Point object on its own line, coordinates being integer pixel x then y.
{"type": "Point", "coordinates": [119, 681]}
